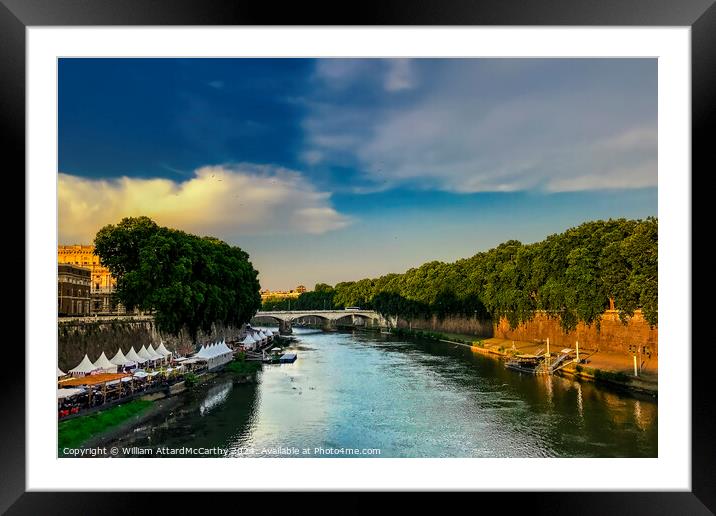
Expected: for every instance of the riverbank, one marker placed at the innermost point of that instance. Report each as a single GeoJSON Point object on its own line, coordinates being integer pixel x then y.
{"type": "Point", "coordinates": [97, 428]}
{"type": "Point", "coordinates": [75, 432]}
{"type": "Point", "coordinates": [614, 369]}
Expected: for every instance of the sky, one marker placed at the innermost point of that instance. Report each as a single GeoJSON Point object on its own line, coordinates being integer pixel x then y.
{"type": "Point", "coordinates": [329, 170]}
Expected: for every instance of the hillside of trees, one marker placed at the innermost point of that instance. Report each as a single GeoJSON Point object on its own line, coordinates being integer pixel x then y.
{"type": "Point", "coordinates": [571, 275]}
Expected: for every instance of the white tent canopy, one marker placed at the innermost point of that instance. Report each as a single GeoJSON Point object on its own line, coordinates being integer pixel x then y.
{"type": "Point", "coordinates": [118, 358]}
{"type": "Point", "coordinates": [122, 360]}
{"type": "Point", "coordinates": [83, 368]}
{"type": "Point", "coordinates": [249, 342]}
{"type": "Point", "coordinates": [145, 354]}
{"type": "Point", "coordinates": [163, 351]}
{"type": "Point", "coordinates": [213, 350]}
{"type": "Point", "coordinates": [104, 364]}
{"type": "Point", "coordinates": [132, 355]}
{"type": "Point", "coordinates": [60, 373]}
{"type": "Point", "coordinates": [154, 354]}
{"type": "Point", "coordinates": [215, 354]}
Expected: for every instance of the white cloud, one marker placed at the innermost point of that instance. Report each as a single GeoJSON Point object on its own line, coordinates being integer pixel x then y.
{"type": "Point", "coordinates": [226, 202]}
{"type": "Point", "coordinates": [312, 157]}
{"type": "Point", "coordinates": [495, 125]}
{"type": "Point", "coordinates": [399, 76]}
{"type": "Point", "coordinates": [339, 73]}
{"type": "Point", "coordinates": [393, 75]}
{"type": "Point", "coordinates": [637, 176]}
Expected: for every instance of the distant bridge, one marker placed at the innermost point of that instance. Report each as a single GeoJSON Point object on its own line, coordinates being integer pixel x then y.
{"type": "Point", "coordinates": [286, 318]}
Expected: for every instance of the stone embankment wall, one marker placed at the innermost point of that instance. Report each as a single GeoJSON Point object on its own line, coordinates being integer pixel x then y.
{"type": "Point", "coordinates": [613, 335]}
{"type": "Point", "coordinates": [451, 324]}
{"type": "Point", "coordinates": [94, 335]}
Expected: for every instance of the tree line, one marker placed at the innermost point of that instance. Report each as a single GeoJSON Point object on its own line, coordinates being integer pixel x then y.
{"type": "Point", "coordinates": [571, 275]}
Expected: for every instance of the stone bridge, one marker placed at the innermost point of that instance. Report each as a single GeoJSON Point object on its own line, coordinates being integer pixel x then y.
{"type": "Point", "coordinates": [286, 318]}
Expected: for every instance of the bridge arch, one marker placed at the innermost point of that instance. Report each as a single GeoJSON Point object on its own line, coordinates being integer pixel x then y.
{"type": "Point", "coordinates": [317, 316]}
{"type": "Point", "coordinates": [366, 317]}
{"type": "Point", "coordinates": [328, 317]}
{"type": "Point", "coordinates": [273, 318]}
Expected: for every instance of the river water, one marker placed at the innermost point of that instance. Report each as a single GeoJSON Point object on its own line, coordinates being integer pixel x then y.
{"type": "Point", "coordinates": [373, 395]}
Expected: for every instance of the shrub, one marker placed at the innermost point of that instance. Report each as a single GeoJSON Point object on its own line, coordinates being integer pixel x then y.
{"type": "Point", "coordinates": [243, 367]}
{"type": "Point", "coordinates": [190, 380]}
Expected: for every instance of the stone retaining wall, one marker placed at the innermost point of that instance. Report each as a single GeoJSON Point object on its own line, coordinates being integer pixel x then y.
{"type": "Point", "coordinates": [94, 335]}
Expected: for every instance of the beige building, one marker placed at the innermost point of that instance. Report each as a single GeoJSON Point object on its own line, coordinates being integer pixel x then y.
{"type": "Point", "coordinates": [282, 294]}
{"type": "Point", "coordinates": [103, 284]}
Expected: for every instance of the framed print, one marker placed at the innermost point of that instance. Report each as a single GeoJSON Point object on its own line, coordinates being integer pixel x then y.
{"type": "Point", "coordinates": [415, 250]}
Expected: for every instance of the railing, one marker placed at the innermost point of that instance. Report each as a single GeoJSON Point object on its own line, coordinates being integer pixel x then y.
{"type": "Point", "coordinates": [347, 312]}
{"type": "Point", "coordinates": [103, 290]}
{"type": "Point", "coordinates": [99, 318]}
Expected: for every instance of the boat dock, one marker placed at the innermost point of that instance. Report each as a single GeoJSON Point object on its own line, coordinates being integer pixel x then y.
{"type": "Point", "coordinates": [540, 364]}
{"type": "Point", "coordinates": [288, 358]}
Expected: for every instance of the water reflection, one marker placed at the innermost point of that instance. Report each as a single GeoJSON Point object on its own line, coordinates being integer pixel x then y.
{"type": "Point", "coordinates": [215, 397]}
{"type": "Point", "coordinates": [409, 399]}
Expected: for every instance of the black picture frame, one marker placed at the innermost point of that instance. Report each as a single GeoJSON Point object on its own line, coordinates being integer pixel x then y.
{"type": "Point", "coordinates": [700, 15]}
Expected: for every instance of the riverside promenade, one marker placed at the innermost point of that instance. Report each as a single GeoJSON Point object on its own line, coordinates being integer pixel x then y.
{"type": "Point", "coordinates": [619, 367]}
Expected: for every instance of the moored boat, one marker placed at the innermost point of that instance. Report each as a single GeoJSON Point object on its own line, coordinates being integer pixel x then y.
{"type": "Point", "coordinates": [527, 363]}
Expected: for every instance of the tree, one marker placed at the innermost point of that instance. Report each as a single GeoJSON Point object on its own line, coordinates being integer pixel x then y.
{"type": "Point", "coordinates": [190, 282]}
{"type": "Point", "coordinates": [571, 275]}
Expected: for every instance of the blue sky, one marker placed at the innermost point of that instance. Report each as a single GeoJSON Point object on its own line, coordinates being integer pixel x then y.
{"type": "Point", "coordinates": [337, 169]}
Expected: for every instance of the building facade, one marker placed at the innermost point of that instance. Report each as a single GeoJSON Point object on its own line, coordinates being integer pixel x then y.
{"type": "Point", "coordinates": [103, 284]}
{"type": "Point", "coordinates": [73, 290]}
{"type": "Point", "coordinates": [282, 294]}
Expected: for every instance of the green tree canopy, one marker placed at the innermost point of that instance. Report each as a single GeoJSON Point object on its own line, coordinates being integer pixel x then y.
{"type": "Point", "coordinates": [571, 275]}
{"type": "Point", "coordinates": [190, 282]}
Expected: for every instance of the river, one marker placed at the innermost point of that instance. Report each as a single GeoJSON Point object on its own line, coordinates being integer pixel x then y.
{"type": "Point", "coordinates": [373, 395]}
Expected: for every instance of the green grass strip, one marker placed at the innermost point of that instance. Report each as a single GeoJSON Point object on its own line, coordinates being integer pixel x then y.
{"type": "Point", "coordinates": [74, 432]}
